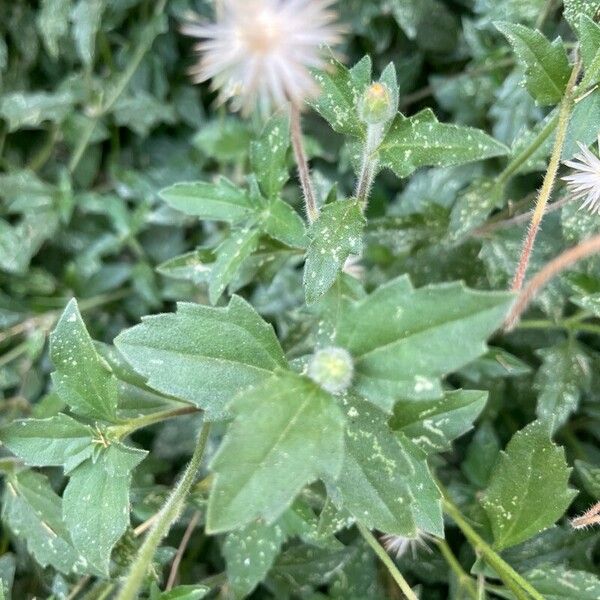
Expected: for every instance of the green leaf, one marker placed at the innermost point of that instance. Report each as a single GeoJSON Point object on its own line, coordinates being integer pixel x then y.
{"type": "Point", "coordinates": [96, 502]}
{"type": "Point", "coordinates": [559, 583]}
{"type": "Point", "coordinates": [589, 33]}
{"type": "Point", "coordinates": [249, 554]}
{"type": "Point", "coordinates": [29, 110]}
{"type": "Point", "coordinates": [433, 424]}
{"type": "Point", "coordinates": [142, 112]}
{"type": "Point", "coordinates": [590, 478]}
{"type": "Point", "coordinates": [528, 490]}
{"type": "Point", "coordinates": [564, 374]}
{"type": "Point", "coordinates": [57, 441]}
{"type": "Point", "coordinates": [33, 512]}
{"type": "Point", "coordinates": [220, 201]}
{"type": "Point", "coordinates": [284, 224]}
{"type": "Point", "coordinates": [86, 23]}
{"type": "Point", "coordinates": [546, 64]}
{"type": "Point", "coordinates": [335, 235]}
{"type": "Point", "coordinates": [385, 481]}
{"type": "Point", "coordinates": [287, 433]}
{"type": "Point", "coordinates": [421, 140]}
{"type": "Point", "coordinates": [53, 23]}
{"type": "Point", "coordinates": [575, 9]}
{"type": "Point", "coordinates": [340, 90]}
{"type": "Point", "coordinates": [82, 378]}
{"type": "Point", "coordinates": [482, 454]}
{"type": "Point", "coordinates": [231, 253]}
{"type": "Point", "coordinates": [268, 155]}
{"type": "Point", "coordinates": [202, 354]}
{"type": "Point", "coordinates": [403, 339]}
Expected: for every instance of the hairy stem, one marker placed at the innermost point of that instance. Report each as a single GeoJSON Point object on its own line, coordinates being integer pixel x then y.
{"type": "Point", "coordinates": [520, 587]}
{"type": "Point", "coordinates": [310, 202]}
{"type": "Point", "coordinates": [387, 561]}
{"type": "Point", "coordinates": [563, 261]}
{"type": "Point", "coordinates": [368, 169]}
{"type": "Point", "coordinates": [120, 431]}
{"type": "Point", "coordinates": [564, 116]}
{"type": "Point", "coordinates": [167, 515]}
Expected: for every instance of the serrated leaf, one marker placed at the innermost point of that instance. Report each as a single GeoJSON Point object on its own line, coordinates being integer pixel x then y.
{"type": "Point", "coordinates": [433, 424]}
{"type": "Point", "coordinates": [546, 64]}
{"type": "Point", "coordinates": [560, 583]}
{"type": "Point", "coordinates": [201, 354]}
{"type": "Point", "coordinates": [340, 90]}
{"type": "Point", "coordinates": [82, 378]}
{"type": "Point", "coordinates": [86, 17]}
{"type": "Point", "coordinates": [287, 433]}
{"type": "Point", "coordinates": [564, 374]}
{"type": "Point", "coordinates": [335, 235]}
{"type": "Point", "coordinates": [142, 112]}
{"type": "Point", "coordinates": [96, 502]}
{"type": "Point", "coordinates": [33, 512]}
{"type": "Point", "coordinates": [249, 554]}
{"type": "Point", "coordinates": [56, 441]}
{"type": "Point", "coordinates": [219, 201]}
{"type": "Point", "coordinates": [231, 253]}
{"type": "Point", "coordinates": [421, 140]}
{"type": "Point", "coordinates": [268, 155]}
{"type": "Point", "coordinates": [29, 110]}
{"type": "Point", "coordinates": [385, 481]}
{"type": "Point", "coordinates": [528, 489]}
{"type": "Point", "coordinates": [284, 224]}
{"type": "Point", "coordinates": [401, 338]}
{"type": "Point", "coordinates": [53, 23]}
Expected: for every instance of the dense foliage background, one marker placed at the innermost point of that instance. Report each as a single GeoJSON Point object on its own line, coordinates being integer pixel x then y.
{"type": "Point", "coordinates": [97, 116]}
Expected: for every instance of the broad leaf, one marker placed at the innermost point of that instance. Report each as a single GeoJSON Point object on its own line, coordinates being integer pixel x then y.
{"type": "Point", "coordinates": [33, 512]}
{"type": "Point", "coordinates": [559, 583]}
{"type": "Point", "coordinates": [403, 340]}
{"type": "Point", "coordinates": [528, 489]}
{"type": "Point", "coordinates": [82, 378]}
{"type": "Point", "coordinates": [421, 140]}
{"type": "Point", "coordinates": [546, 64]}
{"type": "Point", "coordinates": [385, 481]}
{"type": "Point", "coordinates": [57, 441]}
{"type": "Point", "coordinates": [96, 502]}
{"type": "Point", "coordinates": [201, 354]}
{"type": "Point", "coordinates": [433, 424]}
{"type": "Point", "coordinates": [335, 235]}
{"type": "Point", "coordinates": [250, 553]}
{"type": "Point", "coordinates": [219, 201]}
{"type": "Point", "coordinates": [287, 433]}
{"type": "Point", "coordinates": [268, 155]}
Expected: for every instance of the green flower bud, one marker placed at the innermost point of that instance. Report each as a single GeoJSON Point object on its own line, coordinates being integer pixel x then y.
{"type": "Point", "coordinates": [332, 369]}
{"type": "Point", "coordinates": [376, 105]}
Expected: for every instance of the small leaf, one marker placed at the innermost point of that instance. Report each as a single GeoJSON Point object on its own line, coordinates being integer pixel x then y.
{"type": "Point", "coordinates": [287, 433]}
{"type": "Point", "coordinates": [220, 201]}
{"type": "Point", "coordinates": [82, 378]}
{"type": "Point", "coordinates": [340, 90]}
{"type": "Point", "coordinates": [401, 338]}
{"type": "Point", "coordinates": [53, 23]}
{"type": "Point", "coordinates": [29, 110]}
{"type": "Point", "coordinates": [560, 381]}
{"type": "Point", "coordinates": [433, 424]}
{"type": "Point", "coordinates": [96, 502]}
{"type": "Point", "coordinates": [385, 481]}
{"type": "Point", "coordinates": [528, 490]}
{"type": "Point", "coordinates": [57, 441]}
{"type": "Point", "coordinates": [86, 18]}
{"type": "Point", "coordinates": [231, 253]}
{"type": "Point", "coordinates": [202, 354]}
{"type": "Point", "coordinates": [142, 112]}
{"type": "Point", "coordinates": [284, 224]}
{"type": "Point", "coordinates": [249, 554]}
{"type": "Point", "coordinates": [184, 592]}
{"type": "Point", "coordinates": [268, 155]}
{"type": "Point", "coordinates": [482, 454]}
{"type": "Point", "coordinates": [33, 512]}
{"type": "Point", "coordinates": [335, 235]}
{"type": "Point", "coordinates": [589, 33]}
{"type": "Point", "coordinates": [546, 64]}
{"type": "Point", "coordinates": [421, 140]}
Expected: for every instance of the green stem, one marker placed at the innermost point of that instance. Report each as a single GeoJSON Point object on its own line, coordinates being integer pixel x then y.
{"type": "Point", "coordinates": [43, 154]}
{"type": "Point", "coordinates": [168, 514]}
{"type": "Point", "coordinates": [368, 169]}
{"type": "Point", "coordinates": [465, 582]}
{"type": "Point", "coordinates": [120, 431]}
{"type": "Point", "coordinates": [387, 561]}
{"type": "Point", "coordinates": [517, 584]}
{"type": "Point", "coordinates": [11, 355]}
{"type": "Point", "coordinates": [545, 324]}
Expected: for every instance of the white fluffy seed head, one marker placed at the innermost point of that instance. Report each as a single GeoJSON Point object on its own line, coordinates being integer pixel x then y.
{"type": "Point", "coordinates": [584, 181]}
{"type": "Point", "coordinates": [260, 52]}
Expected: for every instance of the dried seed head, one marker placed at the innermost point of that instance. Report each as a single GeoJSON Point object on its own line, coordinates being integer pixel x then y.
{"type": "Point", "coordinates": [332, 368]}
{"type": "Point", "coordinates": [584, 182]}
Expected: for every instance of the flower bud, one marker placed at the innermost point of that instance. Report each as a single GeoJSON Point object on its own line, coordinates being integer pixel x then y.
{"type": "Point", "coordinates": [376, 104]}
{"type": "Point", "coordinates": [332, 369]}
